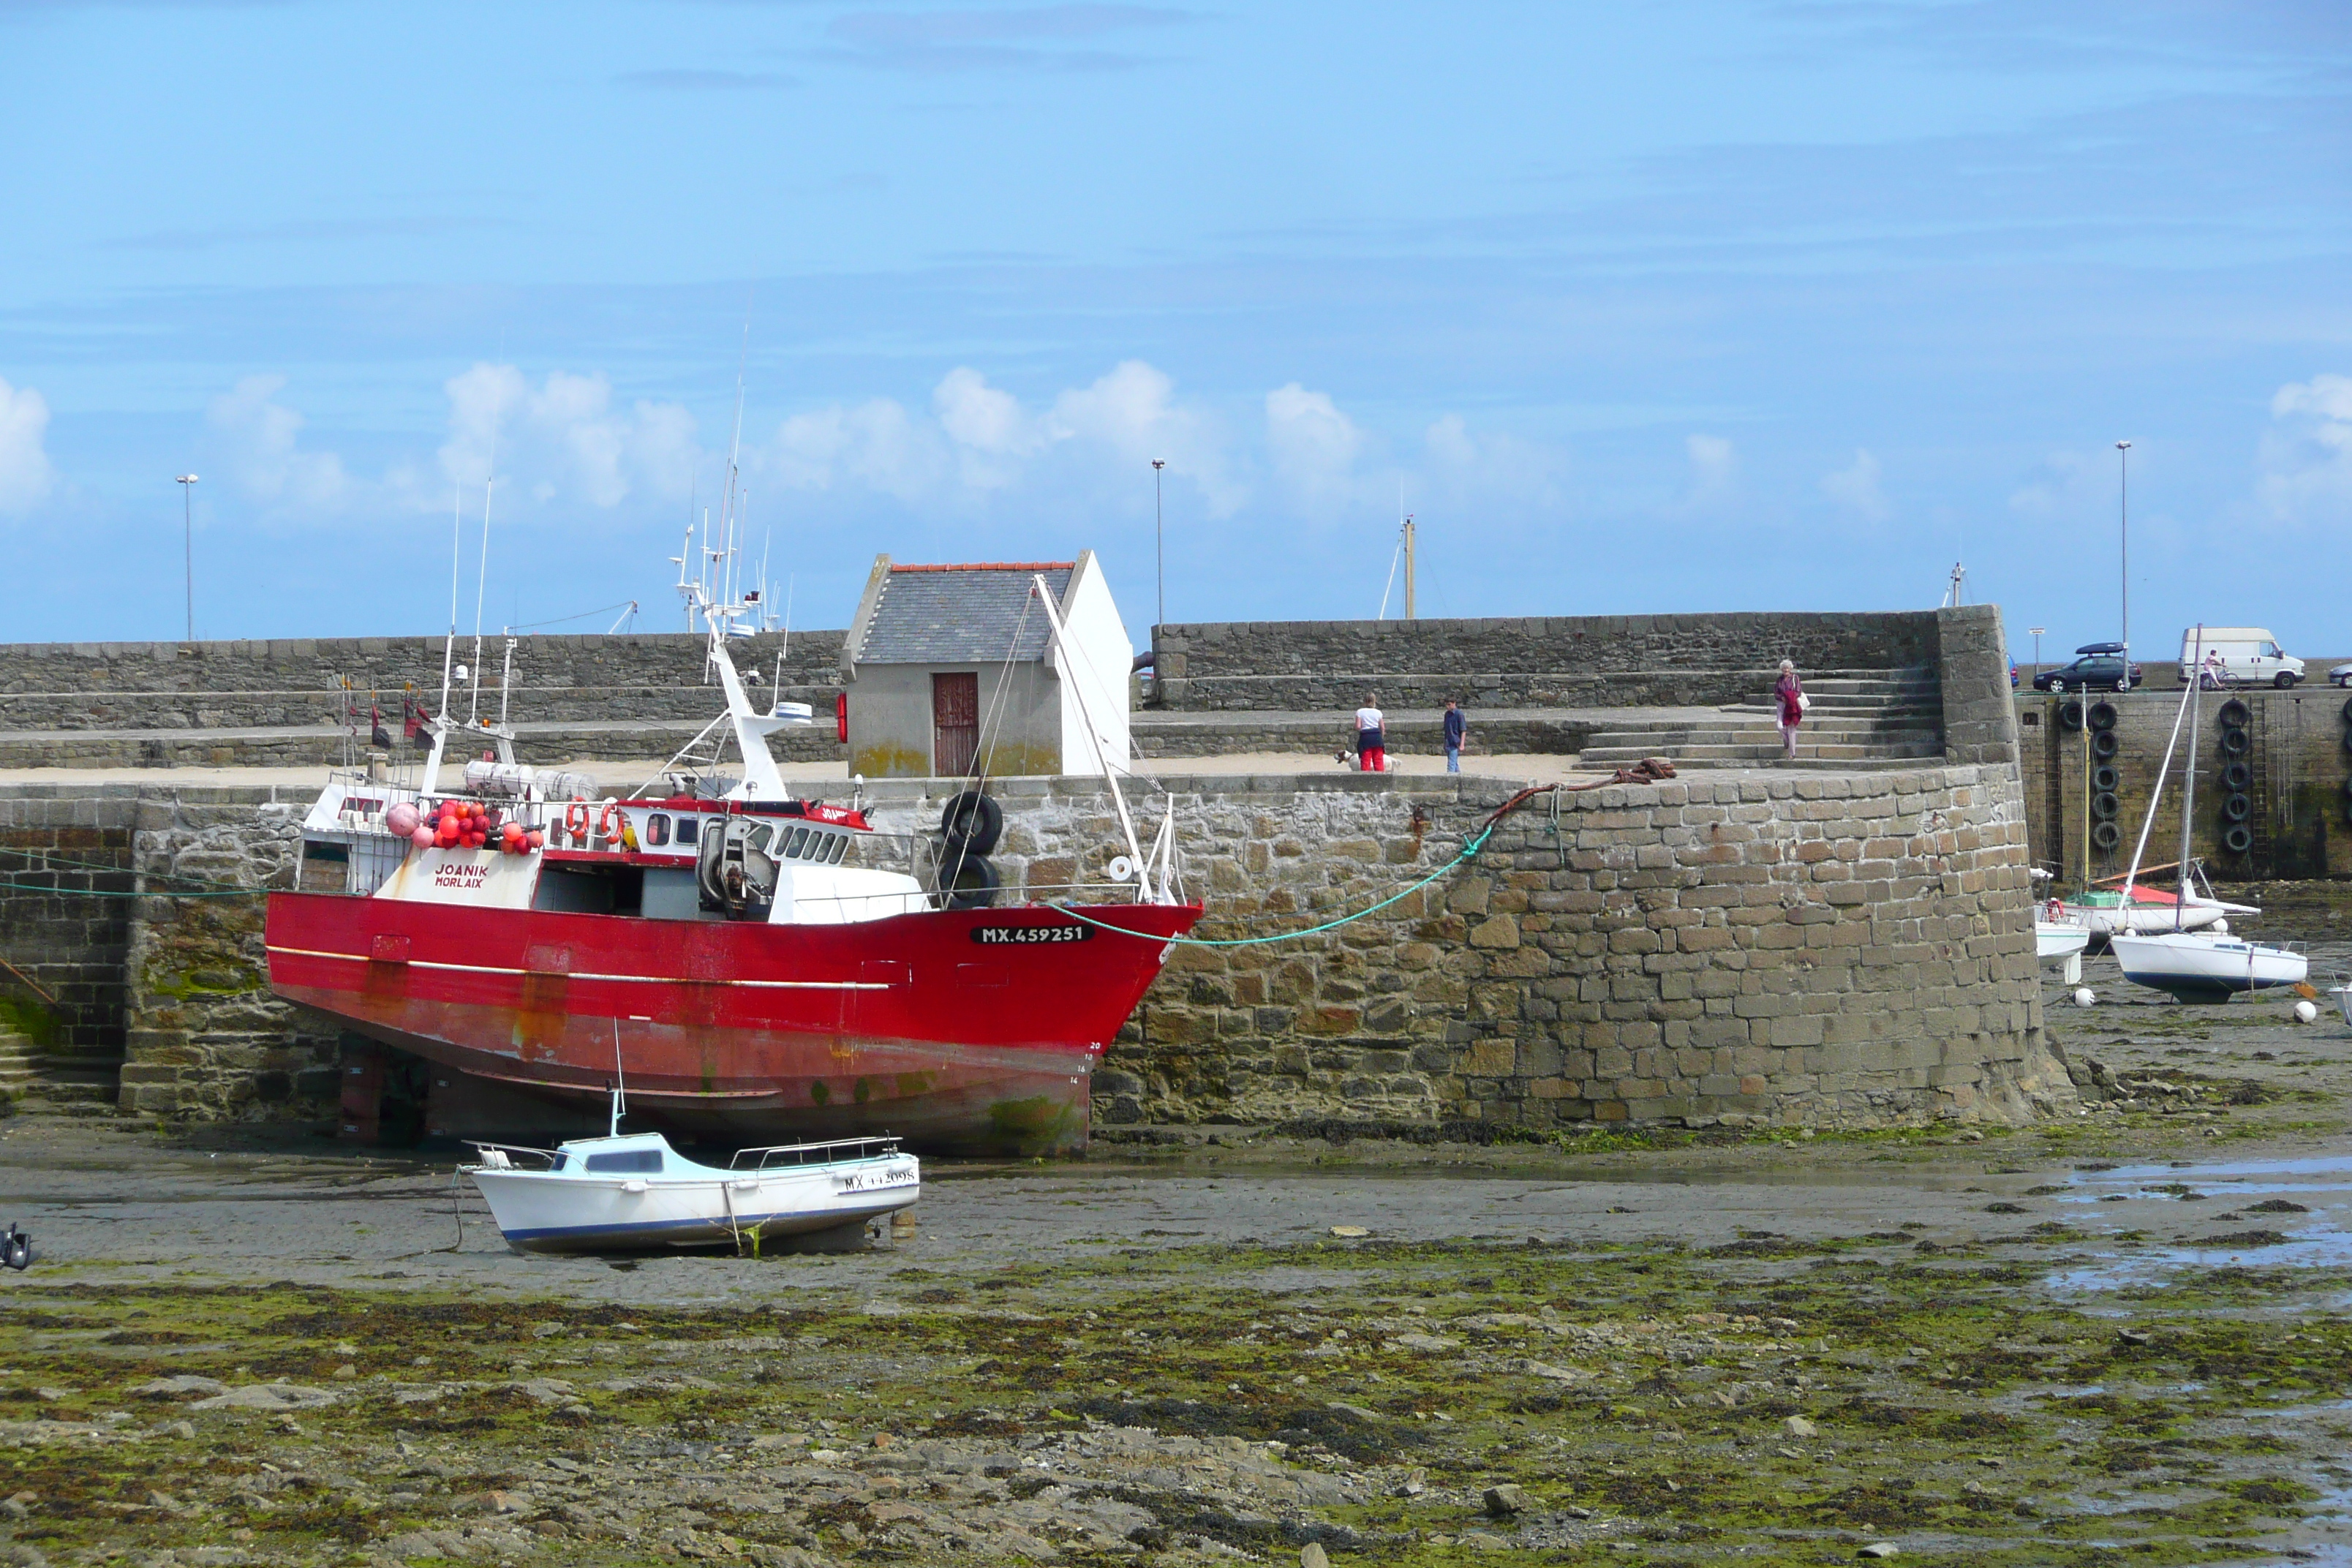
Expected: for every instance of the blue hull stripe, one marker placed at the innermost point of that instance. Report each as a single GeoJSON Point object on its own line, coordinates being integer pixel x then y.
{"type": "Point", "coordinates": [656, 1226]}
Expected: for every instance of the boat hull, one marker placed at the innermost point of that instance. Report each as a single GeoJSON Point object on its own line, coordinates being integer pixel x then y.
{"type": "Point", "coordinates": [2199, 967]}
{"type": "Point", "coordinates": [959, 1030]}
{"type": "Point", "coordinates": [539, 1211]}
{"type": "Point", "coordinates": [2055, 944]}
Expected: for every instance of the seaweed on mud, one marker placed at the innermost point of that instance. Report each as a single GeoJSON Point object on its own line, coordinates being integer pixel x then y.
{"type": "Point", "coordinates": [1355, 1436]}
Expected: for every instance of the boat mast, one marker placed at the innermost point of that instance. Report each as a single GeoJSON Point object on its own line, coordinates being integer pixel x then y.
{"type": "Point", "coordinates": [2189, 778]}
{"type": "Point", "coordinates": [2148, 823]}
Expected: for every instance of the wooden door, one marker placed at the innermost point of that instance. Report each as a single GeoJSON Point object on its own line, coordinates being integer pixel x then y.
{"type": "Point", "coordinates": [955, 724]}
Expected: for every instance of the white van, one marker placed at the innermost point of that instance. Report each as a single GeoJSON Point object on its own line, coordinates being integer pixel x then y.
{"type": "Point", "coordinates": [2247, 656]}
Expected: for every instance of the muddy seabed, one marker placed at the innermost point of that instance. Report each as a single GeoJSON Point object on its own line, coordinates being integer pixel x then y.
{"type": "Point", "coordinates": [2119, 1339]}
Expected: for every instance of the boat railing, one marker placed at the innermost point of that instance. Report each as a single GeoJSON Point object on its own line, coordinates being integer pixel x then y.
{"type": "Point", "coordinates": [502, 1156]}
{"type": "Point", "coordinates": [778, 1156]}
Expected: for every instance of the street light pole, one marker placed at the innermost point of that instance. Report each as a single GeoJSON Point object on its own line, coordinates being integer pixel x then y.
{"type": "Point", "coordinates": [1158, 540]}
{"type": "Point", "coordinates": [2123, 515]}
{"type": "Point", "coordinates": [2037, 647]}
{"type": "Point", "coordinates": [187, 483]}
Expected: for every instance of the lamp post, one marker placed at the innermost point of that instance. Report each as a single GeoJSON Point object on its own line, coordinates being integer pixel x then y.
{"type": "Point", "coordinates": [2122, 516]}
{"type": "Point", "coordinates": [187, 483]}
{"type": "Point", "coordinates": [1158, 540]}
{"type": "Point", "coordinates": [2036, 632]}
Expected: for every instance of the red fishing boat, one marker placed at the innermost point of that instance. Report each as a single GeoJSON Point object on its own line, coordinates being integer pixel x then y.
{"type": "Point", "coordinates": [751, 964]}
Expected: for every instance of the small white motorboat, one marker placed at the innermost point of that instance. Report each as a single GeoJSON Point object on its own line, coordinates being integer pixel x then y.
{"type": "Point", "coordinates": [2055, 942]}
{"type": "Point", "coordinates": [633, 1192]}
{"type": "Point", "coordinates": [2202, 966]}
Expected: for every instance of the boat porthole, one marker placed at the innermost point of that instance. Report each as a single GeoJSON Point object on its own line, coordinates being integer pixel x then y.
{"type": "Point", "coordinates": [2236, 808]}
{"type": "Point", "coordinates": [2106, 835]}
{"type": "Point", "coordinates": [2237, 839]}
{"type": "Point", "coordinates": [2103, 744]}
{"type": "Point", "coordinates": [2234, 713]}
{"type": "Point", "coordinates": [2103, 714]}
{"type": "Point", "coordinates": [2104, 805]}
{"type": "Point", "coordinates": [2104, 776]}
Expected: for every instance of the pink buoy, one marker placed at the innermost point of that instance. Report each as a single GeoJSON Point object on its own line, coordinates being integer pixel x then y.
{"type": "Point", "coordinates": [402, 819]}
{"type": "Point", "coordinates": [422, 837]}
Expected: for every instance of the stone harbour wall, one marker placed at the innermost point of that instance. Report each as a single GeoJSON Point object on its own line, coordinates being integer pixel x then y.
{"type": "Point", "coordinates": [1546, 661]}
{"type": "Point", "coordinates": [1782, 949]}
{"type": "Point", "coordinates": [1796, 949]}
{"type": "Point", "coordinates": [65, 924]}
{"type": "Point", "coordinates": [297, 681]}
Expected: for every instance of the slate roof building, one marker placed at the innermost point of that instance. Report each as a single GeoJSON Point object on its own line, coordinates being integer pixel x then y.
{"type": "Point", "coordinates": [950, 671]}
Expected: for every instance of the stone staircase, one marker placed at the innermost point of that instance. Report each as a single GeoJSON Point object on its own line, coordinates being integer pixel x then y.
{"type": "Point", "coordinates": [37, 1082]}
{"type": "Point", "coordinates": [1859, 718]}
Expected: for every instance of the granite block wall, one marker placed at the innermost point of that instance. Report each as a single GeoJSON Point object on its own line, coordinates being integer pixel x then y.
{"type": "Point", "coordinates": [1790, 949]}
{"type": "Point", "coordinates": [65, 924]}
{"type": "Point", "coordinates": [1558, 661]}
{"type": "Point", "coordinates": [297, 681]}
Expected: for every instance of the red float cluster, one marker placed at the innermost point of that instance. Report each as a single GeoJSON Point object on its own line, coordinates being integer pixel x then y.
{"type": "Point", "coordinates": [470, 824]}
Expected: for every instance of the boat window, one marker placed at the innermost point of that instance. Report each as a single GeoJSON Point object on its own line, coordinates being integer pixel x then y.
{"type": "Point", "coordinates": [686, 827]}
{"type": "Point", "coordinates": [840, 847]}
{"type": "Point", "coordinates": [557, 1163]}
{"type": "Point", "coordinates": [657, 829]}
{"type": "Point", "coordinates": [628, 1161]}
{"type": "Point", "coordinates": [798, 842]}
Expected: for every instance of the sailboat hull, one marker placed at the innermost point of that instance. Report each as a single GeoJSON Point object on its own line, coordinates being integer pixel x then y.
{"type": "Point", "coordinates": [2200, 966]}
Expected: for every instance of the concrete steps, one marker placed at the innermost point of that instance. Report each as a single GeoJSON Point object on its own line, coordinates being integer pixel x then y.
{"type": "Point", "coordinates": [1857, 717]}
{"type": "Point", "coordinates": [37, 1082]}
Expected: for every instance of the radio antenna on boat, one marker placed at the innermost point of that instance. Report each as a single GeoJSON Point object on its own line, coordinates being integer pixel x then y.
{"type": "Point", "coordinates": [482, 580]}
{"type": "Point", "coordinates": [457, 532]}
{"type": "Point", "coordinates": [620, 1085]}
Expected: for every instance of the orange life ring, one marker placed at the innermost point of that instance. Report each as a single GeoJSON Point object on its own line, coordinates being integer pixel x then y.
{"type": "Point", "coordinates": [610, 825]}
{"type": "Point", "coordinates": [576, 822]}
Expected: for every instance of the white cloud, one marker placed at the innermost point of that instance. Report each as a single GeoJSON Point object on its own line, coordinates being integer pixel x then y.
{"type": "Point", "coordinates": [1714, 474]}
{"type": "Point", "coordinates": [1472, 468]}
{"type": "Point", "coordinates": [1857, 489]}
{"type": "Point", "coordinates": [25, 474]}
{"type": "Point", "coordinates": [2305, 460]}
{"type": "Point", "coordinates": [563, 439]}
{"type": "Point", "coordinates": [261, 437]}
{"type": "Point", "coordinates": [2069, 485]}
{"type": "Point", "coordinates": [979, 438]}
{"type": "Point", "coordinates": [877, 445]}
{"type": "Point", "coordinates": [1312, 445]}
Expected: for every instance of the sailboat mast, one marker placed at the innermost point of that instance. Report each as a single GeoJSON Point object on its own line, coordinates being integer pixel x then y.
{"type": "Point", "coordinates": [2189, 781]}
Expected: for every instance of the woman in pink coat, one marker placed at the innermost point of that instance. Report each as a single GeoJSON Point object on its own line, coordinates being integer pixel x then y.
{"type": "Point", "coordinates": [1790, 694]}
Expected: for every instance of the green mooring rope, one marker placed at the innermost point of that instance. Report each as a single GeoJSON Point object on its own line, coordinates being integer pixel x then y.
{"type": "Point", "coordinates": [1468, 850]}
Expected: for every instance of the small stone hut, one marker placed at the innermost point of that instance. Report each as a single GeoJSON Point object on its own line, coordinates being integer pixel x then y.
{"type": "Point", "coordinates": [952, 671]}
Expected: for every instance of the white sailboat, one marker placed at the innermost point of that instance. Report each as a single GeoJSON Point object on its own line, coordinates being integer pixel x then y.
{"type": "Point", "coordinates": [2196, 965]}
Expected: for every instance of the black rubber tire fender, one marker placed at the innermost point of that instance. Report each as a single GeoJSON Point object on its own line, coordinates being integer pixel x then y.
{"type": "Point", "coordinates": [2103, 715]}
{"type": "Point", "coordinates": [2104, 805]}
{"type": "Point", "coordinates": [973, 821]}
{"type": "Point", "coordinates": [2234, 713]}
{"type": "Point", "coordinates": [2237, 839]}
{"type": "Point", "coordinates": [2106, 835]}
{"type": "Point", "coordinates": [2236, 808]}
{"type": "Point", "coordinates": [2237, 776]}
{"type": "Point", "coordinates": [972, 883]}
{"type": "Point", "coordinates": [2233, 744]}
{"type": "Point", "coordinates": [2070, 713]}
{"type": "Point", "coordinates": [2348, 709]}
{"type": "Point", "coordinates": [2103, 744]}
{"type": "Point", "coordinates": [2106, 776]}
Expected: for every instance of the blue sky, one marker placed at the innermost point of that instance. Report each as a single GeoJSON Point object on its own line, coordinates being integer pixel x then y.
{"type": "Point", "coordinates": [1687, 306]}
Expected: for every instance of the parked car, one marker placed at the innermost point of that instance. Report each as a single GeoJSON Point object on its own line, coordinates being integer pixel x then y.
{"type": "Point", "coordinates": [2099, 667]}
{"type": "Point", "coordinates": [2238, 656]}
{"type": "Point", "coordinates": [2341, 675]}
